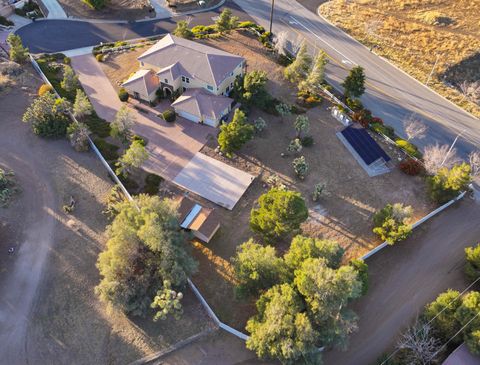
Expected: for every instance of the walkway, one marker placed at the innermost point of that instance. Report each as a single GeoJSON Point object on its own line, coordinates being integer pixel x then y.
{"type": "Point", "coordinates": [55, 10]}
{"type": "Point", "coordinates": [405, 277]}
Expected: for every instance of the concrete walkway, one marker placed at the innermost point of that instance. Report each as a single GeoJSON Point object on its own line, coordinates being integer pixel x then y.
{"type": "Point", "coordinates": [408, 275]}
{"type": "Point", "coordinates": [55, 10]}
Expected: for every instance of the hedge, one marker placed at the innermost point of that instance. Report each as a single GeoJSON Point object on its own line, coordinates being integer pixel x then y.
{"type": "Point", "coordinates": [408, 147]}
{"type": "Point", "coordinates": [169, 115]}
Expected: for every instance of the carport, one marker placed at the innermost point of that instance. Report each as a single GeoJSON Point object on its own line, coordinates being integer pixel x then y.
{"type": "Point", "coordinates": [214, 180]}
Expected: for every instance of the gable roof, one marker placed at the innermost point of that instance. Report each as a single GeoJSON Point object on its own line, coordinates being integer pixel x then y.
{"type": "Point", "coordinates": [198, 61]}
{"type": "Point", "coordinates": [174, 71]}
{"type": "Point", "coordinates": [202, 103]}
{"type": "Point", "coordinates": [143, 80]}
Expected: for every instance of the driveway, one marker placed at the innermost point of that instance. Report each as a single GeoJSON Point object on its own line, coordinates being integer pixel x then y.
{"type": "Point", "coordinates": [405, 277]}
{"type": "Point", "coordinates": [170, 145]}
{"type": "Point", "coordinates": [214, 180]}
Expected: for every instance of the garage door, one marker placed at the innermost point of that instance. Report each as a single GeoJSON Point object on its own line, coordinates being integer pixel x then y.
{"type": "Point", "coordinates": [214, 180]}
{"type": "Point", "coordinates": [211, 123]}
{"type": "Point", "coordinates": [188, 116]}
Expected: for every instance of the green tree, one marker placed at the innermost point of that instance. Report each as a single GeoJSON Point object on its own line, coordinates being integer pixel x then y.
{"type": "Point", "coordinates": [447, 184]}
{"type": "Point", "coordinates": [442, 314]}
{"type": "Point", "coordinates": [235, 134]}
{"type": "Point", "coordinates": [70, 79]}
{"type": "Point", "coordinates": [257, 268]}
{"type": "Point", "coordinates": [303, 248]}
{"type": "Point", "coordinates": [226, 21]}
{"type": "Point", "coordinates": [18, 53]}
{"type": "Point", "coordinates": [250, 89]}
{"type": "Point", "coordinates": [467, 314]}
{"type": "Point", "coordinates": [134, 157]}
{"type": "Point", "coordinates": [45, 117]}
{"type": "Point", "coordinates": [362, 270]}
{"type": "Point", "coordinates": [472, 268]}
{"type": "Point", "coordinates": [168, 302]}
{"type": "Point", "coordinates": [313, 83]}
{"type": "Point", "coordinates": [95, 4]}
{"type": "Point", "coordinates": [300, 67]}
{"type": "Point", "coordinates": [145, 247]}
{"type": "Point", "coordinates": [122, 124]}
{"type": "Point", "coordinates": [472, 340]}
{"type": "Point", "coordinates": [391, 223]}
{"type": "Point", "coordinates": [278, 213]}
{"type": "Point", "coordinates": [182, 30]}
{"type": "Point", "coordinates": [354, 83]}
{"type": "Point", "coordinates": [282, 330]}
{"type": "Point", "coordinates": [327, 292]}
{"type": "Point", "coordinates": [82, 106]}
{"type": "Point", "coordinates": [301, 125]}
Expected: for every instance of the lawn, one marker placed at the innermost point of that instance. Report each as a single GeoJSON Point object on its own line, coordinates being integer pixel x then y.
{"type": "Point", "coordinates": [413, 33]}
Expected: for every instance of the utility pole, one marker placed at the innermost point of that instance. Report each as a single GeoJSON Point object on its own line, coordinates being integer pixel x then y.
{"type": "Point", "coordinates": [271, 15]}
{"type": "Point", "coordinates": [431, 72]}
{"type": "Point", "coordinates": [451, 147]}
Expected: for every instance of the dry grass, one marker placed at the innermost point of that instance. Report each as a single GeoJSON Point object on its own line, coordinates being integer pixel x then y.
{"type": "Point", "coordinates": [114, 10]}
{"type": "Point", "coordinates": [411, 33]}
{"type": "Point", "coordinates": [345, 215]}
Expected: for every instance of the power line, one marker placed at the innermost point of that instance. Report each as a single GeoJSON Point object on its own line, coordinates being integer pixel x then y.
{"type": "Point", "coordinates": [430, 321]}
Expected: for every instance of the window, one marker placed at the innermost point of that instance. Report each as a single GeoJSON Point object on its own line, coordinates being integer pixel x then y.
{"type": "Point", "coordinates": [183, 78]}
{"type": "Point", "coordinates": [210, 87]}
{"type": "Point", "coordinates": [228, 89]}
{"type": "Point", "coordinates": [187, 80]}
{"type": "Point", "coordinates": [166, 81]}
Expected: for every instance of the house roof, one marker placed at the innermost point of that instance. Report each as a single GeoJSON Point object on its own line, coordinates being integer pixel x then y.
{"type": "Point", "coordinates": [198, 61]}
{"type": "Point", "coordinates": [201, 103]}
{"type": "Point", "coordinates": [174, 71]}
{"type": "Point", "coordinates": [144, 80]}
{"type": "Point", "coordinates": [197, 218]}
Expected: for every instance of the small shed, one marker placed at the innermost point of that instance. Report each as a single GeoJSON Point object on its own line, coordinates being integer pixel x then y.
{"type": "Point", "coordinates": [201, 221]}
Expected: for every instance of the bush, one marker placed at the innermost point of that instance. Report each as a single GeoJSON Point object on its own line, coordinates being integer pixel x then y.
{"type": "Point", "coordinates": [354, 104]}
{"type": "Point", "coordinates": [53, 126]}
{"type": "Point", "coordinates": [95, 4]}
{"type": "Point", "coordinates": [152, 183]}
{"type": "Point", "coordinates": [447, 184]}
{"type": "Point", "coordinates": [100, 57]}
{"type": "Point", "coordinates": [411, 167]}
{"type": "Point", "coordinates": [5, 21]}
{"type": "Point", "coordinates": [408, 147]}
{"type": "Point", "coordinates": [129, 184]}
{"type": "Point", "coordinates": [363, 117]}
{"type": "Point", "coordinates": [67, 60]}
{"type": "Point", "coordinates": [472, 267]}
{"type": "Point", "coordinates": [202, 31]}
{"type": "Point", "coordinates": [44, 88]}
{"type": "Point", "coordinates": [123, 95]}
{"type": "Point", "coordinates": [265, 39]}
{"type": "Point", "coordinates": [391, 223]}
{"type": "Point", "coordinates": [284, 60]}
{"type": "Point", "coordinates": [383, 129]}
{"type": "Point", "coordinates": [141, 140]}
{"type": "Point", "coordinates": [108, 150]}
{"type": "Point", "coordinates": [362, 268]}
{"type": "Point", "coordinates": [307, 141]}
{"type": "Point", "coordinates": [169, 115]}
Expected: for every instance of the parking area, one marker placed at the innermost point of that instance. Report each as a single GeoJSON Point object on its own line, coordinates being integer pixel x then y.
{"type": "Point", "coordinates": [214, 180]}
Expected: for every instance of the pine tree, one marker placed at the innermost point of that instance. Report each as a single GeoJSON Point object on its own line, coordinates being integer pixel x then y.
{"type": "Point", "coordinates": [300, 67]}
{"type": "Point", "coordinates": [235, 134]}
{"type": "Point", "coordinates": [182, 30]}
{"type": "Point", "coordinates": [82, 106]}
{"type": "Point", "coordinates": [313, 83]}
{"type": "Point", "coordinates": [354, 83]}
{"type": "Point", "coordinates": [18, 53]}
{"type": "Point", "coordinates": [70, 80]}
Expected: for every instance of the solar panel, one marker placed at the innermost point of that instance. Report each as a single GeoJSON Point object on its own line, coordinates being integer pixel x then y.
{"type": "Point", "coordinates": [367, 148]}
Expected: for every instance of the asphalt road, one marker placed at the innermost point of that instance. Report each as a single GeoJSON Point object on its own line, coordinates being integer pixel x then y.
{"type": "Point", "coordinates": [405, 277]}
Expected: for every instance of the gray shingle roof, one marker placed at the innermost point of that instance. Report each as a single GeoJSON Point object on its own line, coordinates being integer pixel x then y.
{"type": "Point", "coordinates": [145, 80]}
{"type": "Point", "coordinates": [197, 60]}
{"type": "Point", "coordinates": [202, 103]}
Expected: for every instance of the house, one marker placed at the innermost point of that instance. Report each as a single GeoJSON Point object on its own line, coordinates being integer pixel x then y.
{"type": "Point", "coordinates": [205, 75]}
{"type": "Point", "coordinates": [202, 222]}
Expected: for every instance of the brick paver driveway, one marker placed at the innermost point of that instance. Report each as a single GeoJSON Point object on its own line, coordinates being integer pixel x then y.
{"type": "Point", "coordinates": [170, 145]}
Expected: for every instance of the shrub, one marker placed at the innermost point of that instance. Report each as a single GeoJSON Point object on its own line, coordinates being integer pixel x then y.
{"type": "Point", "coordinates": [307, 141]}
{"type": "Point", "coordinates": [260, 124]}
{"type": "Point", "coordinates": [152, 183]}
{"type": "Point", "coordinates": [285, 60]}
{"type": "Point", "coordinates": [318, 191]}
{"type": "Point", "coordinates": [301, 167]}
{"type": "Point", "coordinates": [44, 88]}
{"type": "Point", "coordinates": [202, 31]}
{"type": "Point", "coordinates": [377, 120]}
{"type": "Point", "coordinates": [78, 133]}
{"type": "Point", "coordinates": [95, 4]}
{"type": "Point", "coordinates": [169, 115]}
{"type": "Point", "coordinates": [408, 147]}
{"type": "Point", "coordinates": [182, 30]}
{"type": "Point", "coordinates": [5, 21]}
{"type": "Point", "coordinates": [264, 38]}
{"type": "Point", "coordinates": [123, 95]}
{"type": "Point", "coordinates": [447, 184]}
{"type": "Point", "coordinates": [354, 104]}
{"type": "Point", "coordinates": [383, 129]}
{"type": "Point", "coordinates": [362, 268]}
{"type": "Point", "coordinates": [312, 101]}
{"type": "Point", "coordinates": [391, 223]}
{"type": "Point", "coordinates": [363, 117]}
{"type": "Point", "coordinates": [100, 57]}
{"type": "Point", "coordinates": [108, 150]}
{"type": "Point", "coordinates": [141, 140]}
{"type": "Point", "coordinates": [67, 60]}
{"type": "Point", "coordinates": [472, 267]}
{"type": "Point", "coordinates": [411, 167]}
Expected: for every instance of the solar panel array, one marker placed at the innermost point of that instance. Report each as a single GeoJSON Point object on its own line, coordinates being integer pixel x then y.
{"type": "Point", "coordinates": [364, 145]}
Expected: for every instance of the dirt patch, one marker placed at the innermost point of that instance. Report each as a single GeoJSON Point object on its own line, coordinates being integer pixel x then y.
{"type": "Point", "coordinates": [66, 322]}
{"type": "Point", "coordinates": [114, 10]}
{"type": "Point", "coordinates": [414, 33]}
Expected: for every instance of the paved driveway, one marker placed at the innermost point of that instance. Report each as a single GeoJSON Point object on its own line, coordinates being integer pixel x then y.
{"type": "Point", "coordinates": [214, 180]}
{"type": "Point", "coordinates": [170, 145]}
{"type": "Point", "coordinates": [405, 277]}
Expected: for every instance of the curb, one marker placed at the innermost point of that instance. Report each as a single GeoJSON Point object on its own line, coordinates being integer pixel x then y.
{"type": "Point", "coordinates": [392, 64]}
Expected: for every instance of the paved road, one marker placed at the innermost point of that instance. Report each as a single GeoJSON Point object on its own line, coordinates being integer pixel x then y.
{"type": "Point", "coordinates": [405, 277]}
{"type": "Point", "coordinates": [391, 94]}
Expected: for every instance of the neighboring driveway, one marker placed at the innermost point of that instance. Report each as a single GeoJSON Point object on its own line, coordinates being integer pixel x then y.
{"type": "Point", "coordinates": [214, 180]}
{"type": "Point", "coordinates": [170, 145]}
{"type": "Point", "coordinates": [405, 277]}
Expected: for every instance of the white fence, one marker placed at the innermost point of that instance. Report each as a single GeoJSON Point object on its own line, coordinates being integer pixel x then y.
{"type": "Point", "coordinates": [197, 293]}
{"type": "Point", "coordinates": [416, 224]}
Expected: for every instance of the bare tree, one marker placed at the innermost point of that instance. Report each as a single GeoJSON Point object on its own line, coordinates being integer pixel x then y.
{"type": "Point", "coordinates": [436, 156]}
{"type": "Point", "coordinates": [419, 344]}
{"type": "Point", "coordinates": [470, 91]}
{"type": "Point", "coordinates": [281, 43]}
{"type": "Point", "coordinates": [474, 161]}
{"type": "Point", "coordinates": [414, 128]}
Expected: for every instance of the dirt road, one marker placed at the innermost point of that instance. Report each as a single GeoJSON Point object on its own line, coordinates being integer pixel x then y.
{"type": "Point", "coordinates": [405, 277]}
